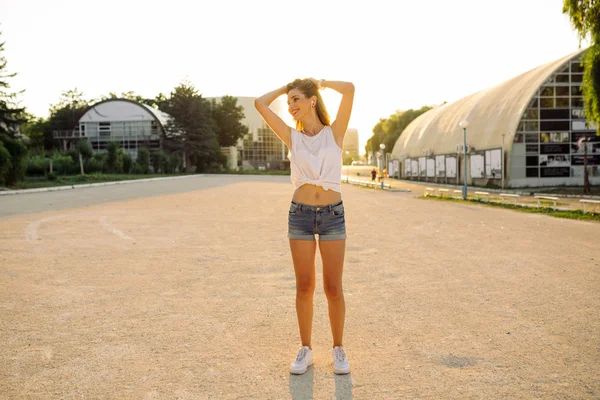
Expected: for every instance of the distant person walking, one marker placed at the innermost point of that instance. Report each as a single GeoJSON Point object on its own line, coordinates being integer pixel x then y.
{"type": "Point", "coordinates": [316, 207]}
{"type": "Point", "coordinates": [373, 175]}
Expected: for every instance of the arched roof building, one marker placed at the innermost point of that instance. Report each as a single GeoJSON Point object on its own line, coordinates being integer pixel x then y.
{"type": "Point", "coordinates": [534, 121]}
{"type": "Point", "coordinates": [127, 122]}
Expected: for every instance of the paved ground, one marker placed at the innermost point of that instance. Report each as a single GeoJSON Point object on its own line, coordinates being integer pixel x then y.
{"type": "Point", "coordinates": [190, 294]}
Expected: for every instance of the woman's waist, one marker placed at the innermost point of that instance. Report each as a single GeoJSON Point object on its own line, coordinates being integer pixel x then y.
{"type": "Point", "coordinates": [316, 195]}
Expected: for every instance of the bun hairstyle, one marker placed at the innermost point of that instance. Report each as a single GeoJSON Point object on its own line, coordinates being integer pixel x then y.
{"type": "Point", "coordinates": [309, 89]}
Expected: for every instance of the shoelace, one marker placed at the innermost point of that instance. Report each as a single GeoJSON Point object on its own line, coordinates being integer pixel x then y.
{"type": "Point", "coordinates": [340, 355]}
{"type": "Point", "coordinates": [301, 354]}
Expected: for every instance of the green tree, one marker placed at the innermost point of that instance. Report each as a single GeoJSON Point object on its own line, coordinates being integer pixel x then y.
{"type": "Point", "coordinates": [64, 115]}
{"type": "Point", "coordinates": [85, 148]}
{"type": "Point", "coordinates": [388, 130]}
{"type": "Point", "coordinates": [18, 159]}
{"type": "Point", "coordinates": [159, 160]}
{"type": "Point", "coordinates": [127, 163]}
{"type": "Point", "coordinates": [34, 130]}
{"type": "Point", "coordinates": [12, 151]}
{"type": "Point", "coordinates": [192, 128]}
{"type": "Point", "coordinates": [228, 117]}
{"type": "Point", "coordinates": [5, 162]}
{"type": "Point", "coordinates": [131, 95]}
{"type": "Point", "coordinates": [143, 161]}
{"type": "Point", "coordinates": [585, 17]}
{"type": "Point", "coordinates": [112, 160]}
{"type": "Point", "coordinates": [11, 115]}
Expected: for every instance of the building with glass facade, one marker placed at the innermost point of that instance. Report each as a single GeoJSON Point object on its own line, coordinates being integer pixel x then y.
{"type": "Point", "coordinates": [261, 148]}
{"type": "Point", "coordinates": [529, 131]}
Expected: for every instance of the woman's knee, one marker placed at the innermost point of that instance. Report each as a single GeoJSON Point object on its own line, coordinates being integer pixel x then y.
{"type": "Point", "coordinates": [333, 291]}
{"type": "Point", "coordinates": [305, 286]}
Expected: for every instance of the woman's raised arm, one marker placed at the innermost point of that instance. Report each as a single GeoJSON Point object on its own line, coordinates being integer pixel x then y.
{"type": "Point", "coordinates": [280, 128]}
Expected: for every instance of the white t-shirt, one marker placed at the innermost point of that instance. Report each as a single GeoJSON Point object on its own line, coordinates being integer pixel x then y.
{"type": "Point", "coordinates": [316, 160]}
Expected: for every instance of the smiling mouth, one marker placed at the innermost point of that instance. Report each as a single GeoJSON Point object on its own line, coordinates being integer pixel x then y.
{"type": "Point", "coordinates": [294, 113]}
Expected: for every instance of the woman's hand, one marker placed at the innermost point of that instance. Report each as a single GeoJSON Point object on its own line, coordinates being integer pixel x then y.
{"type": "Point", "coordinates": [316, 82]}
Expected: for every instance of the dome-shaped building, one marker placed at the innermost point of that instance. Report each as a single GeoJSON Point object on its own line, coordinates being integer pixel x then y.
{"type": "Point", "coordinates": [525, 132]}
{"type": "Point", "coordinates": [131, 124]}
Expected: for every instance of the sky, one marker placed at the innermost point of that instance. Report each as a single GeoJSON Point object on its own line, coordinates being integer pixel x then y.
{"type": "Point", "coordinates": [399, 54]}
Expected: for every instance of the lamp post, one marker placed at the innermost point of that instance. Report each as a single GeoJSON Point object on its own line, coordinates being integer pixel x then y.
{"type": "Point", "coordinates": [347, 165]}
{"type": "Point", "coordinates": [502, 164]}
{"type": "Point", "coordinates": [464, 124]}
{"type": "Point", "coordinates": [382, 147]}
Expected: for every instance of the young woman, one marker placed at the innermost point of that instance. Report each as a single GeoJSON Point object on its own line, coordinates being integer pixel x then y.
{"type": "Point", "coordinates": [316, 162]}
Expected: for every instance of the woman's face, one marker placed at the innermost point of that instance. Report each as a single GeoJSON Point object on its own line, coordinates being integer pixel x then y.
{"type": "Point", "coordinates": [298, 105]}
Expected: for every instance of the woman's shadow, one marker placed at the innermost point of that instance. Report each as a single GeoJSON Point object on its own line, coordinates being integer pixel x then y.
{"type": "Point", "coordinates": [301, 386]}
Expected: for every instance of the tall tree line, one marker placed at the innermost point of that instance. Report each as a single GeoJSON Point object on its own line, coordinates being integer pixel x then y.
{"type": "Point", "coordinates": [388, 130]}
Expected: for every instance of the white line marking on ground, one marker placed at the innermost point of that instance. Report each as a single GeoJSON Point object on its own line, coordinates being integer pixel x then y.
{"type": "Point", "coordinates": [110, 228]}
{"type": "Point", "coordinates": [31, 230]}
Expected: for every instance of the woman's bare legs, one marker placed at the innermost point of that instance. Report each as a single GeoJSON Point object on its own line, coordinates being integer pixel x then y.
{"type": "Point", "coordinates": [303, 256]}
{"type": "Point", "coordinates": [332, 254]}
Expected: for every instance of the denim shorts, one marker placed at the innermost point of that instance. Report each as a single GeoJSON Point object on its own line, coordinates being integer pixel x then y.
{"type": "Point", "coordinates": [305, 221]}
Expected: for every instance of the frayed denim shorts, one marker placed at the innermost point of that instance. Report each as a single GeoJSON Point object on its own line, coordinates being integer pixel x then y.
{"type": "Point", "coordinates": [306, 221]}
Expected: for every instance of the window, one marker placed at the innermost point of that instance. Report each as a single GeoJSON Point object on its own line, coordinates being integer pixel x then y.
{"type": "Point", "coordinates": [576, 67]}
{"type": "Point", "coordinates": [554, 125]}
{"type": "Point", "coordinates": [104, 129]}
{"type": "Point", "coordinates": [533, 103]}
{"type": "Point", "coordinates": [576, 90]}
{"type": "Point", "coordinates": [576, 102]}
{"type": "Point", "coordinates": [554, 114]}
{"type": "Point", "coordinates": [532, 173]}
{"type": "Point", "coordinates": [577, 113]}
{"type": "Point", "coordinates": [531, 113]}
{"type": "Point", "coordinates": [562, 78]}
{"type": "Point", "coordinates": [562, 91]}
{"type": "Point", "coordinates": [531, 138]}
{"type": "Point", "coordinates": [528, 126]}
{"type": "Point", "coordinates": [547, 91]}
{"type": "Point", "coordinates": [576, 78]}
{"type": "Point", "coordinates": [562, 102]}
{"type": "Point", "coordinates": [532, 161]}
{"type": "Point", "coordinates": [547, 102]}
{"type": "Point", "coordinates": [532, 148]}
{"type": "Point", "coordinates": [579, 126]}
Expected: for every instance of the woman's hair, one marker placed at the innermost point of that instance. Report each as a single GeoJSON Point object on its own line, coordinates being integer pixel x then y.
{"type": "Point", "coordinates": [309, 89]}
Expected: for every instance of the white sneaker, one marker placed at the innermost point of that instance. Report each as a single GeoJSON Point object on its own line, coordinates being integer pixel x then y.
{"type": "Point", "coordinates": [302, 361]}
{"type": "Point", "coordinates": [340, 361]}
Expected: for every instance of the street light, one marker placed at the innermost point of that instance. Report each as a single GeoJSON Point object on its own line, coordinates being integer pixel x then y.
{"type": "Point", "coordinates": [347, 165]}
{"type": "Point", "coordinates": [382, 147]}
{"type": "Point", "coordinates": [464, 124]}
{"type": "Point", "coordinates": [502, 163]}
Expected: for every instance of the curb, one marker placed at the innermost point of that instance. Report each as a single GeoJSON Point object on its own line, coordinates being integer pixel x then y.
{"type": "Point", "coordinates": [491, 190]}
{"type": "Point", "coordinates": [86, 185]}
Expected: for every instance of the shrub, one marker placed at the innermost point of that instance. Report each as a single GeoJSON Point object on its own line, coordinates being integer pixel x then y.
{"type": "Point", "coordinates": [62, 164]}
{"type": "Point", "coordinates": [18, 159]}
{"type": "Point", "coordinates": [143, 160]}
{"type": "Point", "coordinates": [127, 163]}
{"type": "Point", "coordinates": [37, 165]}
{"type": "Point", "coordinates": [5, 162]}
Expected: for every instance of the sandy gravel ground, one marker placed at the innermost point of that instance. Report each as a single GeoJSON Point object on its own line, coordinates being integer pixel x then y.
{"type": "Point", "coordinates": [190, 295]}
